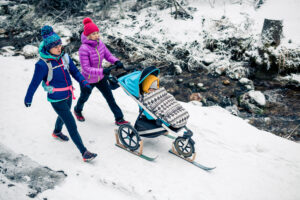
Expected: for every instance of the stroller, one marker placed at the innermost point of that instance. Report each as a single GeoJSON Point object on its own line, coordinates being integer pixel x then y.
{"type": "Point", "coordinates": [147, 124]}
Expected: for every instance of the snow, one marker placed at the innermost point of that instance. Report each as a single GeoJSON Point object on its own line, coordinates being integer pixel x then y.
{"type": "Point", "coordinates": [293, 77]}
{"type": "Point", "coordinates": [251, 164]}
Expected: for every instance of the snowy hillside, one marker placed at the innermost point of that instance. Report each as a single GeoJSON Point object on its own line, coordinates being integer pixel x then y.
{"type": "Point", "coordinates": [251, 164]}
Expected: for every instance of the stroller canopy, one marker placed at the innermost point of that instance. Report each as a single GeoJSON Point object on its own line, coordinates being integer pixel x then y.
{"type": "Point", "coordinates": [131, 82]}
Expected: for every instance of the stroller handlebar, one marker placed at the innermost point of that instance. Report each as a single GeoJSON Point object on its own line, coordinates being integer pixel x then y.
{"type": "Point", "coordinates": [126, 68]}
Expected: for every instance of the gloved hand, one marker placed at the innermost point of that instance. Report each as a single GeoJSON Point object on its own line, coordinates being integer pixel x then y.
{"type": "Point", "coordinates": [27, 104]}
{"type": "Point", "coordinates": [106, 71]}
{"type": "Point", "coordinates": [119, 64]}
{"type": "Point", "coordinates": [86, 87]}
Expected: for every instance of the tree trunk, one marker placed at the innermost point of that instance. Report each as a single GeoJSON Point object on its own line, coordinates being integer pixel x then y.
{"type": "Point", "coordinates": [271, 32]}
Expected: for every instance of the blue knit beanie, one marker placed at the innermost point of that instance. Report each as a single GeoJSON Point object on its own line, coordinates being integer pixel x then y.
{"type": "Point", "coordinates": [50, 38]}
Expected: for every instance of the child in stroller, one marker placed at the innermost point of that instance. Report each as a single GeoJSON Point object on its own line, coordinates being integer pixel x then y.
{"type": "Point", "coordinates": [162, 103]}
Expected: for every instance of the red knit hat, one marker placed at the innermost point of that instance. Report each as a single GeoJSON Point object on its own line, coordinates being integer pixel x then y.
{"type": "Point", "coordinates": [89, 26]}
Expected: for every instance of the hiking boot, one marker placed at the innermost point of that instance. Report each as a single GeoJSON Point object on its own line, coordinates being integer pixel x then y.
{"type": "Point", "coordinates": [121, 122]}
{"type": "Point", "coordinates": [88, 156]}
{"type": "Point", "coordinates": [79, 116]}
{"type": "Point", "coordinates": [60, 136]}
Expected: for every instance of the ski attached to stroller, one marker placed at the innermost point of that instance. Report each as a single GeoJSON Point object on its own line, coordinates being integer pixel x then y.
{"type": "Point", "coordinates": [132, 139]}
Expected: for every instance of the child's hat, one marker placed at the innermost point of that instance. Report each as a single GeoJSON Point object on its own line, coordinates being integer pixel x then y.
{"type": "Point", "coordinates": [50, 38]}
{"type": "Point", "coordinates": [89, 26]}
{"type": "Point", "coordinates": [150, 81]}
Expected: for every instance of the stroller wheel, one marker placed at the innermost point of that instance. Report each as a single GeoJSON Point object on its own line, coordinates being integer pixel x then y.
{"type": "Point", "coordinates": [186, 151]}
{"type": "Point", "coordinates": [129, 137]}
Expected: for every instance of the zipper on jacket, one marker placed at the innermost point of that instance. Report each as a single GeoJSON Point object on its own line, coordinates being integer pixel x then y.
{"type": "Point", "coordinates": [99, 60]}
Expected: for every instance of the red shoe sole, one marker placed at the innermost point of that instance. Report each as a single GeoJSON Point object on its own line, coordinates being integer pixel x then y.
{"type": "Point", "coordinates": [88, 160]}
{"type": "Point", "coordinates": [58, 138]}
{"type": "Point", "coordinates": [81, 119]}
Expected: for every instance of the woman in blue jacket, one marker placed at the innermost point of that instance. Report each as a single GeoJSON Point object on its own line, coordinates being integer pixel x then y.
{"type": "Point", "coordinates": [54, 69]}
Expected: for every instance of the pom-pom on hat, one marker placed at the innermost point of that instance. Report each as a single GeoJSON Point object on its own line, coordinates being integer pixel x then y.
{"type": "Point", "coordinates": [150, 82]}
{"type": "Point", "coordinates": [89, 26]}
{"type": "Point", "coordinates": [50, 38]}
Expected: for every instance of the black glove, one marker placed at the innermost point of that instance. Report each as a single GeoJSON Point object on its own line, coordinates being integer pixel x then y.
{"type": "Point", "coordinates": [119, 64]}
{"type": "Point", "coordinates": [106, 71]}
{"type": "Point", "coordinates": [86, 87]}
{"type": "Point", "coordinates": [27, 104]}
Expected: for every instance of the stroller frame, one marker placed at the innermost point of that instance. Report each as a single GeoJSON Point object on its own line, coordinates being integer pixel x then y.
{"type": "Point", "coordinates": [180, 146]}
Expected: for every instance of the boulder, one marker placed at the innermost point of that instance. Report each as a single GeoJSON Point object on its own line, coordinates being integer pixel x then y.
{"type": "Point", "coordinates": [271, 32]}
{"type": "Point", "coordinates": [30, 51]}
{"type": "Point", "coordinates": [178, 69]}
{"type": "Point", "coordinates": [253, 101]}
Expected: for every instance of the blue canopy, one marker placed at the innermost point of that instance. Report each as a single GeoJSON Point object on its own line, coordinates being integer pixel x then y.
{"type": "Point", "coordinates": [131, 82]}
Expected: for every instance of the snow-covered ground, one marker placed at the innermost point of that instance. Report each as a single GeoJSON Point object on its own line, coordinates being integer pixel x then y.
{"type": "Point", "coordinates": [251, 164]}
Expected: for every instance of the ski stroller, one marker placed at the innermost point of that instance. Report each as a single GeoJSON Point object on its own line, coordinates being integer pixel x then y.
{"type": "Point", "coordinates": [148, 125]}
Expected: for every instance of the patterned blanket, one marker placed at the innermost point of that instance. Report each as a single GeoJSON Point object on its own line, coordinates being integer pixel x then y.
{"type": "Point", "coordinates": [165, 107]}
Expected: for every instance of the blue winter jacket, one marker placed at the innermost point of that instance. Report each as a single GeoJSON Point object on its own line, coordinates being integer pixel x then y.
{"type": "Point", "coordinates": [61, 77]}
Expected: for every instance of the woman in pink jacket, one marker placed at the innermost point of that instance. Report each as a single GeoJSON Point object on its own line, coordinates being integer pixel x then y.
{"type": "Point", "coordinates": [91, 54]}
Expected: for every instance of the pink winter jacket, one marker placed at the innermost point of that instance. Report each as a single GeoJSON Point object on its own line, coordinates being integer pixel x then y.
{"type": "Point", "coordinates": [91, 55]}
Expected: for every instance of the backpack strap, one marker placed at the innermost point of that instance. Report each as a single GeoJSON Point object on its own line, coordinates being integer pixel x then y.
{"type": "Point", "coordinates": [50, 70]}
{"type": "Point", "coordinates": [65, 63]}
{"type": "Point", "coordinates": [66, 60]}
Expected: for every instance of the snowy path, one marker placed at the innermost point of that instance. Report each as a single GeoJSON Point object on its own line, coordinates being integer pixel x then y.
{"type": "Point", "coordinates": [251, 164]}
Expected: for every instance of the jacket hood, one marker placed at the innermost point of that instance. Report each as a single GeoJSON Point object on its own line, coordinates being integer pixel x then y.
{"type": "Point", "coordinates": [85, 40]}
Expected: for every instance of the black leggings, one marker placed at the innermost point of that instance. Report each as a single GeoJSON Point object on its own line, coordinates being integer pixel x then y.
{"type": "Point", "coordinates": [105, 89]}
{"type": "Point", "coordinates": [62, 108]}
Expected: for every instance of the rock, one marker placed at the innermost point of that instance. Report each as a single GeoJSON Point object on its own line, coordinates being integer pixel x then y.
{"type": "Point", "coordinates": [244, 81]}
{"type": "Point", "coordinates": [178, 69]}
{"type": "Point", "coordinates": [226, 82]}
{"type": "Point", "coordinates": [30, 51]}
{"type": "Point", "coordinates": [248, 84]}
{"type": "Point", "coordinates": [194, 64]}
{"type": "Point", "coordinates": [233, 110]}
{"type": "Point", "coordinates": [200, 85]}
{"type": "Point", "coordinates": [191, 84]}
{"type": "Point", "coordinates": [271, 32]}
{"type": "Point", "coordinates": [180, 80]}
{"type": "Point", "coordinates": [225, 101]}
{"type": "Point", "coordinates": [220, 67]}
{"type": "Point", "coordinates": [220, 70]}
{"type": "Point", "coordinates": [253, 101]}
{"type": "Point", "coordinates": [180, 53]}
{"type": "Point", "coordinates": [7, 51]}
{"type": "Point", "coordinates": [258, 97]}
{"type": "Point", "coordinates": [195, 97]}
{"type": "Point", "coordinates": [209, 59]}
{"type": "Point", "coordinates": [2, 31]}
{"type": "Point", "coordinates": [293, 79]}
{"type": "Point", "coordinates": [249, 87]}
{"type": "Point", "coordinates": [63, 31]}
{"type": "Point", "coordinates": [237, 71]}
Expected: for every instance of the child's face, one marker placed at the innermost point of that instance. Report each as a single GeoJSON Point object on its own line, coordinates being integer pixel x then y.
{"type": "Point", "coordinates": [94, 36]}
{"type": "Point", "coordinates": [151, 90]}
{"type": "Point", "coordinates": [56, 50]}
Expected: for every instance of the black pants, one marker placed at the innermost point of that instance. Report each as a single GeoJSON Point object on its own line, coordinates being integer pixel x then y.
{"type": "Point", "coordinates": [62, 108]}
{"type": "Point", "coordinates": [105, 89]}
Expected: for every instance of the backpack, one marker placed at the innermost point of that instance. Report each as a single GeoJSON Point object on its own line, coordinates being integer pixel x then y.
{"type": "Point", "coordinates": [65, 62]}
